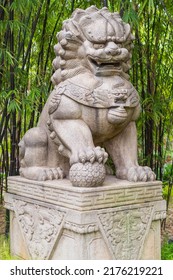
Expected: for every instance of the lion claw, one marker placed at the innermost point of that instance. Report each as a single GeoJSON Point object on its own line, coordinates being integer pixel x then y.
{"type": "Point", "coordinates": [92, 155]}
{"type": "Point", "coordinates": [136, 174]}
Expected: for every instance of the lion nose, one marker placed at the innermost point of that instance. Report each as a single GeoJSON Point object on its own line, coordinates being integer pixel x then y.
{"type": "Point", "coordinates": [112, 49]}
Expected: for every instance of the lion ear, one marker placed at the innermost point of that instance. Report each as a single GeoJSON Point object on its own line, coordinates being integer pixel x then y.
{"type": "Point", "coordinates": [127, 30]}
{"type": "Point", "coordinates": [72, 26]}
{"type": "Point", "coordinates": [77, 14]}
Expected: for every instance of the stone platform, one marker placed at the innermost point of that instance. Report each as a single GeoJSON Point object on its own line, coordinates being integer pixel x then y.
{"type": "Point", "coordinates": [53, 220]}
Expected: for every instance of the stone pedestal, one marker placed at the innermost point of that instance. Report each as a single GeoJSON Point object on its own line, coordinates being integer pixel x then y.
{"type": "Point", "coordinates": [53, 220]}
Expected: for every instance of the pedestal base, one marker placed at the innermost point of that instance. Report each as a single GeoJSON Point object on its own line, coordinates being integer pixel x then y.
{"type": "Point", "coordinates": [53, 220]}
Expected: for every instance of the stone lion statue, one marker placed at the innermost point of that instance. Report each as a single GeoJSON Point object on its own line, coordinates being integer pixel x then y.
{"type": "Point", "coordinates": [92, 108]}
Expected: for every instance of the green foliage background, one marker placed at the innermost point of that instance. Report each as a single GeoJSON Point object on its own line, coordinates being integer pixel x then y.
{"type": "Point", "coordinates": [27, 35]}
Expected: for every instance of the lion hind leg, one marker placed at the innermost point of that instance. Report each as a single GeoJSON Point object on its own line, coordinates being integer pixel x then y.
{"type": "Point", "coordinates": [34, 157]}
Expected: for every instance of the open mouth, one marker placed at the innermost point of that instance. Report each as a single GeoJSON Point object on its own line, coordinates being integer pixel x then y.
{"type": "Point", "coordinates": [106, 64]}
{"type": "Point", "coordinates": [106, 67]}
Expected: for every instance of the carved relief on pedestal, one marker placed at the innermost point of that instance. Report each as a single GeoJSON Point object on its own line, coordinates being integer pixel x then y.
{"type": "Point", "coordinates": [126, 230]}
{"type": "Point", "coordinates": [81, 228]}
{"type": "Point", "coordinates": [40, 227]}
{"type": "Point", "coordinates": [160, 215]}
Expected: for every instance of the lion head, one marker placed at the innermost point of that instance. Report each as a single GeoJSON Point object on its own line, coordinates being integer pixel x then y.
{"type": "Point", "coordinates": [95, 41]}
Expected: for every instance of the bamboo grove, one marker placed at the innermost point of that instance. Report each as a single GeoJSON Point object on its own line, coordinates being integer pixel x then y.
{"type": "Point", "coordinates": [27, 35]}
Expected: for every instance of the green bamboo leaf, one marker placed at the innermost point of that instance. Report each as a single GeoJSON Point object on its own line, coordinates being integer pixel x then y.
{"type": "Point", "coordinates": [130, 16]}
{"type": "Point", "coordinates": [3, 25]}
{"type": "Point", "coordinates": [14, 105]}
{"type": "Point", "coordinates": [3, 8]}
{"type": "Point", "coordinates": [143, 7]}
{"type": "Point", "coordinates": [151, 6]}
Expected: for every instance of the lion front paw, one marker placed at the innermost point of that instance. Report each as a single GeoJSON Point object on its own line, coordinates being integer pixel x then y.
{"type": "Point", "coordinates": [136, 174]}
{"type": "Point", "coordinates": [96, 154]}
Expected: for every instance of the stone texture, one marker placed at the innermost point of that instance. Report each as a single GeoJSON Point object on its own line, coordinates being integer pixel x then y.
{"type": "Point", "coordinates": [119, 220]}
{"type": "Point", "coordinates": [92, 107]}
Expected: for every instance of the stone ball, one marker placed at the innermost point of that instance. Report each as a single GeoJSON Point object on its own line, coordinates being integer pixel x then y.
{"type": "Point", "coordinates": [87, 174]}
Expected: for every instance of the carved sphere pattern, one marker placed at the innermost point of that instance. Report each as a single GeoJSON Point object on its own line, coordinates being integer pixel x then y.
{"type": "Point", "coordinates": [87, 174]}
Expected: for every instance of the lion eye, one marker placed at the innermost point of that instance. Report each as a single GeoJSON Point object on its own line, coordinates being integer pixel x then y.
{"type": "Point", "coordinates": [99, 46]}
